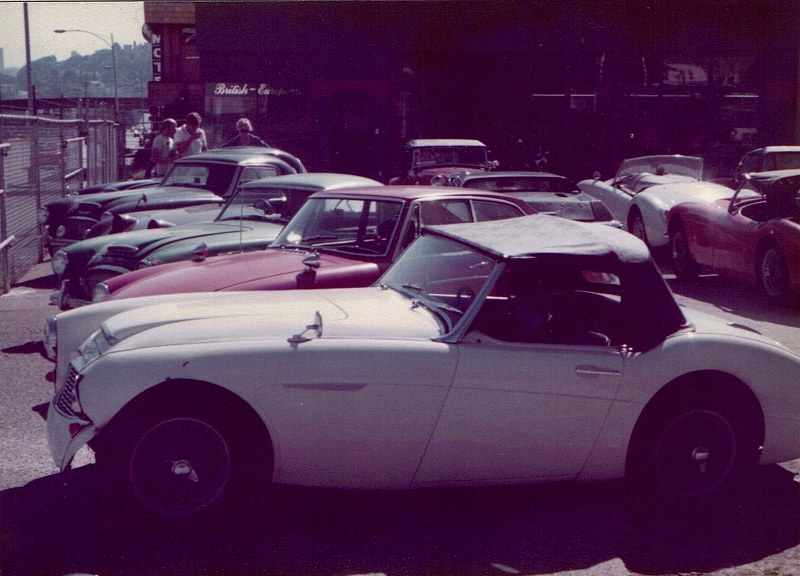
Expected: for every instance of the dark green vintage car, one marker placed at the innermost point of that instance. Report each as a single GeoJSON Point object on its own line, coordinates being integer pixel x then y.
{"type": "Point", "coordinates": [206, 179]}
{"type": "Point", "coordinates": [249, 221]}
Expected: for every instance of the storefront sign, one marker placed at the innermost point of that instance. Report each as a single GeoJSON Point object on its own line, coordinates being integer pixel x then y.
{"type": "Point", "coordinates": [246, 89]}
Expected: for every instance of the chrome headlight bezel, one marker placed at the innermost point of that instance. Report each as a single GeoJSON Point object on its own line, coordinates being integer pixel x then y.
{"type": "Point", "coordinates": [100, 292]}
{"type": "Point", "coordinates": [50, 338]}
{"type": "Point", "coordinates": [97, 344]}
{"type": "Point", "coordinates": [42, 215]}
{"type": "Point", "coordinates": [60, 262]}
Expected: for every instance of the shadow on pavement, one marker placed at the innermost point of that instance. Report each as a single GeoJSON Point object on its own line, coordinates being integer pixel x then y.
{"type": "Point", "coordinates": [49, 527]}
{"type": "Point", "coordinates": [736, 298]}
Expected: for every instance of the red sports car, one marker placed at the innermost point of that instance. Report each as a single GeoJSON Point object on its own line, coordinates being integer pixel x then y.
{"type": "Point", "coordinates": [754, 236]}
{"type": "Point", "coordinates": [338, 239]}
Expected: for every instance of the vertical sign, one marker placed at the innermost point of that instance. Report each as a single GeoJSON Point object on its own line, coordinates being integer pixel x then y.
{"type": "Point", "coordinates": [155, 42]}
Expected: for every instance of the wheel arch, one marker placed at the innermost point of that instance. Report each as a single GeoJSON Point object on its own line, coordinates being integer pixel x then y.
{"type": "Point", "coordinates": [713, 384]}
{"type": "Point", "coordinates": [202, 396]}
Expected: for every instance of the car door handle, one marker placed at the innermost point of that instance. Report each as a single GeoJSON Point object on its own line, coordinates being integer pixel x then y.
{"type": "Point", "coordinates": [594, 371]}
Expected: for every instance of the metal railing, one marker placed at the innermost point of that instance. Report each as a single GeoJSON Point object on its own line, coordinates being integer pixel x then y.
{"type": "Point", "coordinates": [42, 159]}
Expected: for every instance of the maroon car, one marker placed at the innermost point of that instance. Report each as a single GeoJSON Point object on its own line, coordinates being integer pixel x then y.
{"type": "Point", "coordinates": [443, 161]}
{"type": "Point", "coordinates": [338, 239]}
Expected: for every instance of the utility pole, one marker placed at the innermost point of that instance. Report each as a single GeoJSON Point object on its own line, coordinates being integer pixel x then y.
{"type": "Point", "coordinates": [31, 106]}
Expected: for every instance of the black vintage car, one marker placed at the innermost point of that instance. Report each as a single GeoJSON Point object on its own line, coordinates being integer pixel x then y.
{"type": "Point", "coordinates": [203, 179]}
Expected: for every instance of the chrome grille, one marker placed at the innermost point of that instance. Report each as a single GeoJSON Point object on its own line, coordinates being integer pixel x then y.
{"type": "Point", "coordinates": [77, 228]}
{"type": "Point", "coordinates": [66, 396]}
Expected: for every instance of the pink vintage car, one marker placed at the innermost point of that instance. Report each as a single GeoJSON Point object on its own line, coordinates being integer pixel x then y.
{"type": "Point", "coordinates": [343, 238]}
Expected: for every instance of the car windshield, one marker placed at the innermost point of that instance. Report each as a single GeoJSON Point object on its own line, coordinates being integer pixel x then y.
{"type": "Point", "coordinates": [781, 161]}
{"type": "Point", "coordinates": [522, 184]}
{"type": "Point", "coordinates": [443, 273]}
{"type": "Point", "coordinates": [449, 156]}
{"type": "Point", "coordinates": [214, 177]}
{"type": "Point", "coordinates": [269, 204]}
{"type": "Point", "coordinates": [691, 166]}
{"type": "Point", "coordinates": [349, 225]}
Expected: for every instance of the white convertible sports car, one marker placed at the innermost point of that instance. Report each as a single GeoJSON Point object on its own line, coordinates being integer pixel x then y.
{"type": "Point", "coordinates": [645, 188]}
{"type": "Point", "coordinates": [500, 352]}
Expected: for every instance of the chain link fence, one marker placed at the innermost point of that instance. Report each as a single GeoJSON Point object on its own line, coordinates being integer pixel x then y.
{"type": "Point", "coordinates": [42, 159]}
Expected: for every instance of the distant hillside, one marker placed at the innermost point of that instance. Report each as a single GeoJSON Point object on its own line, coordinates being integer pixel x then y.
{"type": "Point", "coordinates": [92, 75]}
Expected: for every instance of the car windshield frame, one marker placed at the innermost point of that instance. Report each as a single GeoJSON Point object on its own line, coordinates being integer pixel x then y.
{"type": "Point", "coordinates": [430, 156]}
{"type": "Point", "coordinates": [241, 206]}
{"type": "Point", "coordinates": [423, 273]}
{"type": "Point", "coordinates": [347, 225]}
{"type": "Point", "coordinates": [689, 166]}
{"type": "Point", "coordinates": [216, 177]}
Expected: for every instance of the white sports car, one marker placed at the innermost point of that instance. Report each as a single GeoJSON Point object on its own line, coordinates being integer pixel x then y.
{"type": "Point", "coordinates": [645, 188]}
{"type": "Point", "coordinates": [500, 352]}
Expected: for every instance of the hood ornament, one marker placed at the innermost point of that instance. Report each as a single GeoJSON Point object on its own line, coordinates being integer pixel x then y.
{"type": "Point", "coordinates": [316, 327]}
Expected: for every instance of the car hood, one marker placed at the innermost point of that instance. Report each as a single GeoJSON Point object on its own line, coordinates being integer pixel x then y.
{"type": "Point", "coordinates": [145, 242]}
{"type": "Point", "coordinates": [449, 169]}
{"type": "Point", "coordinates": [267, 269]}
{"type": "Point", "coordinates": [361, 313]}
{"type": "Point", "coordinates": [571, 206]}
{"type": "Point", "coordinates": [669, 195]}
{"type": "Point", "coordinates": [176, 216]}
{"type": "Point", "coordinates": [105, 198]}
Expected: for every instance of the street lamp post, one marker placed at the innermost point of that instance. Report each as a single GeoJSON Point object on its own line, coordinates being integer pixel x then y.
{"type": "Point", "coordinates": [113, 62]}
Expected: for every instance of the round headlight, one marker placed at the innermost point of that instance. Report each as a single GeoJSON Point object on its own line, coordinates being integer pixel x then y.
{"type": "Point", "coordinates": [61, 231]}
{"type": "Point", "coordinates": [100, 293]}
{"type": "Point", "coordinates": [42, 215]}
{"type": "Point", "coordinates": [60, 262]}
{"type": "Point", "coordinates": [439, 180]}
{"type": "Point", "coordinates": [50, 337]}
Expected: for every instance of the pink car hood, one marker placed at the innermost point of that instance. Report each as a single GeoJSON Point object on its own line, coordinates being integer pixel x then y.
{"type": "Point", "coordinates": [271, 269]}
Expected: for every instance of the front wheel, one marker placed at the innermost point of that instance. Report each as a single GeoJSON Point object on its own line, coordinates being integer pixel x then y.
{"type": "Point", "coordinates": [180, 466]}
{"type": "Point", "coordinates": [683, 265]}
{"type": "Point", "coordinates": [637, 227]}
{"type": "Point", "coordinates": [186, 462]}
{"type": "Point", "coordinates": [773, 275]}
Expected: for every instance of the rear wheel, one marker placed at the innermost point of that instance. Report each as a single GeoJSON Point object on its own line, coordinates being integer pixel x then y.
{"type": "Point", "coordinates": [773, 275]}
{"type": "Point", "coordinates": [692, 448]}
{"type": "Point", "coordinates": [683, 265]}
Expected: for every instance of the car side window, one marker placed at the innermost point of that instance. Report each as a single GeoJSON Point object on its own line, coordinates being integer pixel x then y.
{"type": "Point", "coordinates": [568, 307]}
{"type": "Point", "coordinates": [250, 173]}
{"type": "Point", "coordinates": [445, 211]}
{"type": "Point", "coordinates": [485, 210]}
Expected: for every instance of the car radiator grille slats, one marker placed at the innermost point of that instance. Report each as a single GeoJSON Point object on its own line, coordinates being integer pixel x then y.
{"type": "Point", "coordinates": [67, 394]}
{"type": "Point", "coordinates": [77, 229]}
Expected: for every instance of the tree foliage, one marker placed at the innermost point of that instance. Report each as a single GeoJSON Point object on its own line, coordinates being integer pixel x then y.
{"type": "Point", "coordinates": [93, 75]}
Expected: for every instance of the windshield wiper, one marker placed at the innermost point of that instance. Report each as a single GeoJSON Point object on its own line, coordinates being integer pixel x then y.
{"type": "Point", "coordinates": [319, 237]}
{"type": "Point", "coordinates": [437, 309]}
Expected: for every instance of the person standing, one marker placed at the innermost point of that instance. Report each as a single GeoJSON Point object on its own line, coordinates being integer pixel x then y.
{"type": "Point", "coordinates": [190, 138]}
{"type": "Point", "coordinates": [161, 153]}
{"type": "Point", "coordinates": [245, 136]}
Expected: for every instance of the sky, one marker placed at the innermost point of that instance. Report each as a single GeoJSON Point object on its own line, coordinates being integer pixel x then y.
{"type": "Point", "coordinates": [123, 19]}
